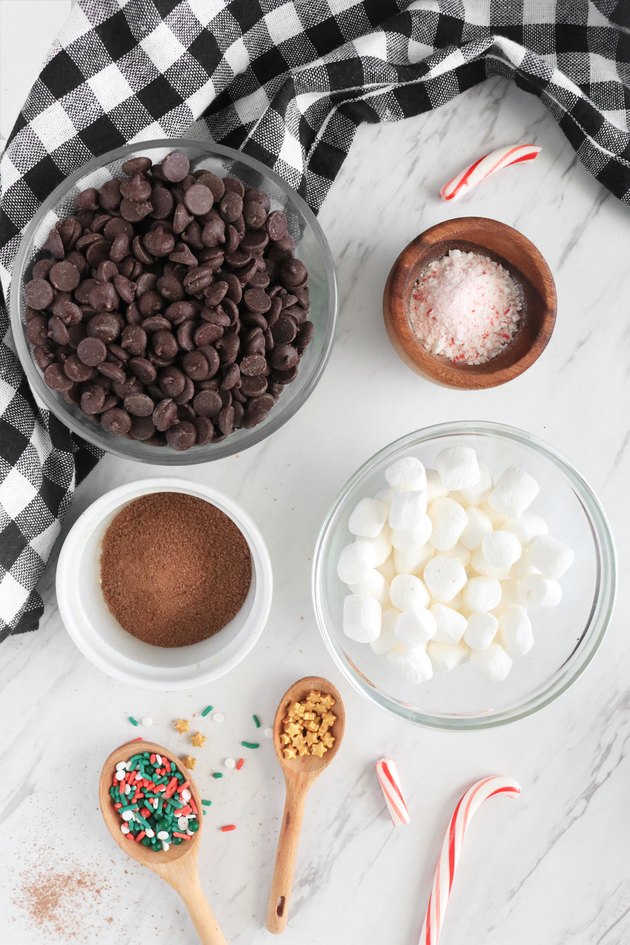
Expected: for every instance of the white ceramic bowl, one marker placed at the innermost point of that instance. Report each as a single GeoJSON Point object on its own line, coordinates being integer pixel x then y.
{"type": "Point", "coordinates": [100, 637]}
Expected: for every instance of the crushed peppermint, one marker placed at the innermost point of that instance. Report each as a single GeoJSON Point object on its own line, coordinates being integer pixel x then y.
{"type": "Point", "coordinates": [465, 307]}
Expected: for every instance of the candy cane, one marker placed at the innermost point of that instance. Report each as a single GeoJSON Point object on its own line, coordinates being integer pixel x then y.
{"type": "Point", "coordinates": [468, 806]}
{"type": "Point", "coordinates": [389, 781]}
{"type": "Point", "coordinates": [489, 164]}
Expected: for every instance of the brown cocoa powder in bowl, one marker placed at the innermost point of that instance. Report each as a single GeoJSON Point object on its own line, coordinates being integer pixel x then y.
{"type": "Point", "coordinates": [174, 569]}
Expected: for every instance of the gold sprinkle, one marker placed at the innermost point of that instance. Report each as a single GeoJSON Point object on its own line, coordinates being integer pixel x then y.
{"type": "Point", "coordinates": [182, 725]}
{"type": "Point", "coordinates": [198, 740]}
{"type": "Point", "coordinates": [190, 761]}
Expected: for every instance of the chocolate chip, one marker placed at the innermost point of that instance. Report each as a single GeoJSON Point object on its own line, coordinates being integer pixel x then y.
{"type": "Point", "coordinates": [252, 365]}
{"type": "Point", "coordinates": [181, 436]}
{"type": "Point", "coordinates": [175, 166]}
{"type": "Point", "coordinates": [257, 300]}
{"type": "Point", "coordinates": [76, 370]}
{"type": "Point", "coordinates": [137, 165]}
{"type": "Point", "coordinates": [92, 351]}
{"type": "Point", "coordinates": [142, 428]}
{"type": "Point", "coordinates": [165, 415]}
{"type": "Point", "coordinates": [231, 206]}
{"type": "Point", "coordinates": [56, 378]}
{"type": "Point", "coordinates": [198, 199]}
{"type": "Point", "coordinates": [92, 399]}
{"type": "Point", "coordinates": [116, 420]}
{"type": "Point", "coordinates": [225, 420]}
{"type": "Point", "coordinates": [276, 225]}
{"type": "Point", "coordinates": [143, 369]}
{"type": "Point", "coordinates": [137, 189]}
{"type": "Point", "coordinates": [207, 403]}
{"type": "Point", "coordinates": [38, 294]}
{"type": "Point", "coordinates": [138, 405]}
{"type": "Point", "coordinates": [257, 409]}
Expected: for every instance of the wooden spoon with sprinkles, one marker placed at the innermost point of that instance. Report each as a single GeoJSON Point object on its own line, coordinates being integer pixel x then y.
{"type": "Point", "coordinates": [299, 774]}
{"type": "Point", "coordinates": [177, 865]}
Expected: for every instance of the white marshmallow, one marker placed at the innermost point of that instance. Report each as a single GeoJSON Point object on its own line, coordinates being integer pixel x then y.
{"type": "Point", "coordinates": [381, 546]}
{"type": "Point", "coordinates": [361, 618]}
{"type": "Point", "coordinates": [444, 577]}
{"type": "Point", "coordinates": [374, 585]}
{"type": "Point", "coordinates": [412, 664]}
{"type": "Point", "coordinates": [480, 491]}
{"type": "Point", "coordinates": [458, 467]}
{"type": "Point", "coordinates": [521, 568]}
{"type": "Point", "coordinates": [538, 591]}
{"type": "Point", "coordinates": [450, 624]}
{"type": "Point", "coordinates": [408, 510]}
{"type": "Point", "coordinates": [367, 518]}
{"type": "Point", "coordinates": [356, 561]}
{"type": "Point", "coordinates": [515, 631]}
{"type": "Point", "coordinates": [493, 662]}
{"type": "Point", "coordinates": [386, 640]}
{"type": "Point", "coordinates": [386, 494]}
{"type": "Point", "coordinates": [406, 474]}
{"type": "Point", "coordinates": [482, 593]}
{"type": "Point", "coordinates": [446, 656]}
{"type": "Point", "coordinates": [497, 520]}
{"type": "Point", "coordinates": [388, 570]}
{"type": "Point", "coordinates": [449, 520]}
{"type": "Point", "coordinates": [478, 525]}
{"type": "Point", "coordinates": [527, 527]}
{"type": "Point", "coordinates": [464, 555]}
{"type": "Point", "coordinates": [415, 626]}
{"type": "Point", "coordinates": [481, 630]}
{"type": "Point", "coordinates": [405, 539]}
{"type": "Point", "coordinates": [407, 590]}
{"type": "Point", "coordinates": [479, 564]}
{"type": "Point", "coordinates": [550, 556]}
{"type": "Point", "coordinates": [509, 590]}
{"type": "Point", "coordinates": [435, 487]}
{"type": "Point", "coordinates": [412, 562]}
{"type": "Point", "coordinates": [501, 549]}
{"type": "Point", "coordinates": [514, 491]}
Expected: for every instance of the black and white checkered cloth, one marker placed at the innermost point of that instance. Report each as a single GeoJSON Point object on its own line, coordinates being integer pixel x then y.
{"type": "Point", "coordinates": [288, 81]}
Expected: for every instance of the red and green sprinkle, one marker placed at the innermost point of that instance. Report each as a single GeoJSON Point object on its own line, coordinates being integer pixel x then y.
{"type": "Point", "coordinates": [154, 801]}
{"type": "Point", "coordinates": [208, 709]}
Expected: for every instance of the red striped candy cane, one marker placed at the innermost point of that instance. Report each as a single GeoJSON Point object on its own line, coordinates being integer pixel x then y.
{"type": "Point", "coordinates": [466, 809]}
{"type": "Point", "coordinates": [489, 164]}
{"type": "Point", "coordinates": [389, 781]}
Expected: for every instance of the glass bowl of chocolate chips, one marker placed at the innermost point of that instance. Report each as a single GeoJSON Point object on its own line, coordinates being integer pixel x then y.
{"type": "Point", "coordinates": [174, 302]}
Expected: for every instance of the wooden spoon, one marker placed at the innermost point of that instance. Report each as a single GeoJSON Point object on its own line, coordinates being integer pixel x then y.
{"type": "Point", "coordinates": [178, 865]}
{"type": "Point", "coordinates": [299, 774]}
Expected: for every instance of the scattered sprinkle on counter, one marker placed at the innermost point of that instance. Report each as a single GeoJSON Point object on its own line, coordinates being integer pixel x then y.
{"type": "Point", "coordinates": [198, 740]}
{"type": "Point", "coordinates": [208, 709]}
{"type": "Point", "coordinates": [230, 763]}
{"type": "Point", "coordinates": [182, 726]}
{"type": "Point", "coordinates": [147, 721]}
{"type": "Point", "coordinates": [218, 717]}
{"type": "Point", "coordinates": [256, 721]}
{"type": "Point", "coordinates": [250, 744]}
{"type": "Point", "coordinates": [217, 774]}
{"type": "Point", "coordinates": [268, 733]}
{"type": "Point", "coordinates": [227, 827]}
{"type": "Point", "coordinates": [132, 720]}
{"type": "Point", "coordinates": [240, 763]}
{"type": "Point", "coordinates": [206, 803]}
{"type": "Point", "coordinates": [153, 800]}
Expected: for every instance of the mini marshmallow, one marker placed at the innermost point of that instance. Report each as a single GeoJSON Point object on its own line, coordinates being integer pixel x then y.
{"type": "Point", "coordinates": [412, 664]}
{"type": "Point", "coordinates": [482, 593]}
{"type": "Point", "coordinates": [450, 624]}
{"type": "Point", "coordinates": [435, 487]}
{"type": "Point", "coordinates": [449, 520]}
{"type": "Point", "coordinates": [407, 590]}
{"type": "Point", "coordinates": [407, 510]}
{"type": "Point", "coordinates": [479, 564]}
{"type": "Point", "coordinates": [478, 525]}
{"type": "Point", "coordinates": [480, 491]}
{"type": "Point", "coordinates": [361, 618]}
{"type": "Point", "coordinates": [386, 639]}
{"type": "Point", "coordinates": [381, 546]}
{"type": "Point", "coordinates": [356, 561]}
{"type": "Point", "coordinates": [368, 518]}
{"type": "Point", "coordinates": [446, 656]}
{"type": "Point", "coordinates": [493, 662]}
{"type": "Point", "coordinates": [515, 631]}
{"type": "Point", "coordinates": [509, 589]}
{"type": "Point", "coordinates": [527, 527]}
{"type": "Point", "coordinates": [388, 570]}
{"type": "Point", "coordinates": [374, 585]}
{"type": "Point", "coordinates": [385, 495]}
{"type": "Point", "coordinates": [538, 591]}
{"type": "Point", "coordinates": [481, 630]}
{"type": "Point", "coordinates": [444, 577]}
{"type": "Point", "coordinates": [406, 474]}
{"type": "Point", "coordinates": [464, 555]}
{"type": "Point", "coordinates": [501, 549]}
{"type": "Point", "coordinates": [415, 626]}
{"type": "Point", "coordinates": [497, 520]}
{"type": "Point", "coordinates": [514, 491]}
{"type": "Point", "coordinates": [550, 556]}
{"type": "Point", "coordinates": [458, 467]}
{"type": "Point", "coordinates": [412, 562]}
{"type": "Point", "coordinates": [521, 569]}
{"type": "Point", "coordinates": [406, 539]}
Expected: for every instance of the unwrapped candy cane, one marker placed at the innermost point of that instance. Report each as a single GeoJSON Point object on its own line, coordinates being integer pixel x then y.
{"type": "Point", "coordinates": [467, 807]}
{"type": "Point", "coordinates": [389, 781]}
{"type": "Point", "coordinates": [489, 164]}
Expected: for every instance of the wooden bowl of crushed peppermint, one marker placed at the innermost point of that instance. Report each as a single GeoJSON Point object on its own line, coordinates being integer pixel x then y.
{"type": "Point", "coordinates": [470, 303]}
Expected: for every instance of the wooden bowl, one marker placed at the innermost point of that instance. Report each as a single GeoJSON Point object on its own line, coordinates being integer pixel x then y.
{"type": "Point", "coordinates": [526, 266]}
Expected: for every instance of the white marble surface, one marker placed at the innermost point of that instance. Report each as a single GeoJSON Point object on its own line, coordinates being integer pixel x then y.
{"type": "Point", "coordinates": [552, 867]}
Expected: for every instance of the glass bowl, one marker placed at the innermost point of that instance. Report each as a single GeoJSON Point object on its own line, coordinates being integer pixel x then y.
{"type": "Point", "coordinates": [311, 248]}
{"type": "Point", "coordinates": [566, 637]}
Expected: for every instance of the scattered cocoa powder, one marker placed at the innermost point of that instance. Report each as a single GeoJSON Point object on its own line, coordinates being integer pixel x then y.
{"type": "Point", "coordinates": [174, 569]}
{"type": "Point", "coordinates": [56, 900]}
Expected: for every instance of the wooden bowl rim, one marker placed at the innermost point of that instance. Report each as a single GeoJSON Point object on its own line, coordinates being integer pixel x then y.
{"type": "Point", "coordinates": [439, 369]}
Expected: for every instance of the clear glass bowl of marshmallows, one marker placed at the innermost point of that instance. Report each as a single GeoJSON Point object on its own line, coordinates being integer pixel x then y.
{"type": "Point", "coordinates": [465, 576]}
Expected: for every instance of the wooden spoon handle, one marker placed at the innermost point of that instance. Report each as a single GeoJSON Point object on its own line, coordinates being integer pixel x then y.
{"type": "Point", "coordinates": [201, 914]}
{"type": "Point", "coordinates": [288, 841]}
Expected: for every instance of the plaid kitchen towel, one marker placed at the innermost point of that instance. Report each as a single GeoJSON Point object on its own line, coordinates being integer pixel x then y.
{"type": "Point", "coordinates": [288, 81]}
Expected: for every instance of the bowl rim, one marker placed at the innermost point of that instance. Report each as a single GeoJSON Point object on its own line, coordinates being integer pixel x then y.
{"type": "Point", "coordinates": [437, 369]}
{"type": "Point", "coordinates": [144, 453]}
{"type": "Point", "coordinates": [109, 503]}
{"type": "Point", "coordinates": [601, 610]}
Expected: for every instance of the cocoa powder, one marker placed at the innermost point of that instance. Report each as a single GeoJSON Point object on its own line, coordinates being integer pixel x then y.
{"type": "Point", "coordinates": [174, 569]}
